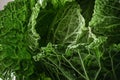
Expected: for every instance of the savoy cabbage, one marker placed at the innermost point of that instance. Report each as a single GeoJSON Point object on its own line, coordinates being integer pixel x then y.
{"type": "Point", "coordinates": [60, 40]}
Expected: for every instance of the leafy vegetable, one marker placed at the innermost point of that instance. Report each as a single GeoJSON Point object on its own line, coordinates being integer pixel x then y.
{"type": "Point", "coordinates": [14, 53]}
{"type": "Point", "coordinates": [105, 20]}
{"type": "Point", "coordinates": [60, 40]}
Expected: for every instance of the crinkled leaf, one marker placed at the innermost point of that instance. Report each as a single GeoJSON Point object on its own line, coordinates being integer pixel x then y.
{"type": "Point", "coordinates": [106, 17]}
{"type": "Point", "coordinates": [13, 44]}
{"type": "Point", "coordinates": [67, 24]}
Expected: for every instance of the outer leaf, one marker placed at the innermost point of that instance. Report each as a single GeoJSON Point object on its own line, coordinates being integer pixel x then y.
{"type": "Point", "coordinates": [106, 17]}
{"type": "Point", "coordinates": [14, 52]}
